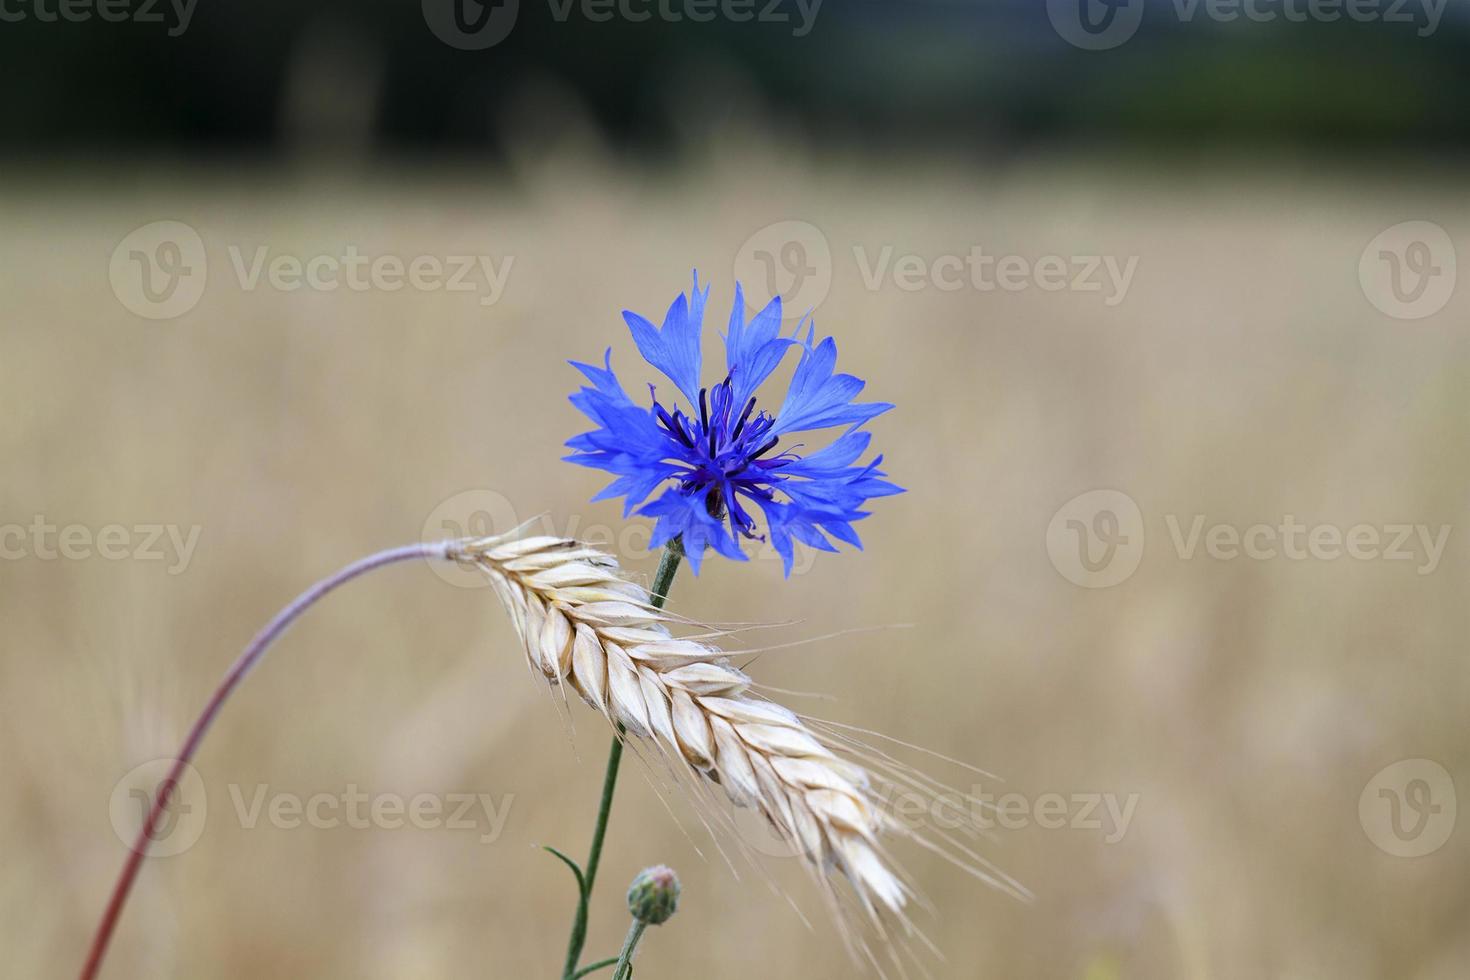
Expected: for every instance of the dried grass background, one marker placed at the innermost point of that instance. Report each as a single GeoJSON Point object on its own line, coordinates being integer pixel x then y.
{"type": "Point", "coordinates": [1246, 703]}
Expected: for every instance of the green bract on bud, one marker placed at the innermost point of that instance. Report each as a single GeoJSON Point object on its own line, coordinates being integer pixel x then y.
{"type": "Point", "coordinates": [654, 895]}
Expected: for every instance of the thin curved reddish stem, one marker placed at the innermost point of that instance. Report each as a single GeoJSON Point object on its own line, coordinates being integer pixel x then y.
{"type": "Point", "coordinates": [242, 666]}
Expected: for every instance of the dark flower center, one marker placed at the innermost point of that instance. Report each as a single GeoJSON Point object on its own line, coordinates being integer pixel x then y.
{"type": "Point", "coordinates": [726, 454]}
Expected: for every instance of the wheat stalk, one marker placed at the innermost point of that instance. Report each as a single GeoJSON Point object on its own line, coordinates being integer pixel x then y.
{"type": "Point", "coordinates": [587, 627]}
{"type": "Point", "coordinates": [584, 625]}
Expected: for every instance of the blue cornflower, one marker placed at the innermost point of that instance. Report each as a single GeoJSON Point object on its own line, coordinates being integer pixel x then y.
{"type": "Point", "coordinates": [722, 457]}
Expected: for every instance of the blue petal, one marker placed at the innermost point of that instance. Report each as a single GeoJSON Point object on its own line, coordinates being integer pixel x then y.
{"type": "Point", "coordinates": [788, 522]}
{"type": "Point", "coordinates": [781, 540]}
{"type": "Point", "coordinates": [635, 486]}
{"type": "Point", "coordinates": [603, 379]}
{"type": "Point", "coordinates": [679, 514]}
{"type": "Point", "coordinates": [626, 442]}
{"type": "Point", "coordinates": [674, 349]}
{"type": "Point", "coordinates": [819, 399]}
{"type": "Point", "coordinates": [833, 459]}
{"type": "Point", "coordinates": [753, 350]}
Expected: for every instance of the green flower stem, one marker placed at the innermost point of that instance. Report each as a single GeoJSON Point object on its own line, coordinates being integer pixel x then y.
{"type": "Point", "coordinates": [589, 874]}
{"type": "Point", "coordinates": [625, 959]}
{"type": "Point", "coordinates": [662, 579]}
{"type": "Point", "coordinates": [667, 566]}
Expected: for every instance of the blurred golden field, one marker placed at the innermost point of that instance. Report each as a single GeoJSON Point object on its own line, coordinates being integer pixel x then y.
{"type": "Point", "coordinates": [1245, 704]}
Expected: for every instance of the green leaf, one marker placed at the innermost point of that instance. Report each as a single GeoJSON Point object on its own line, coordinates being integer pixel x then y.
{"type": "Point", "coordinates": [576, 868]}
{"type": "Point", "coordinates": [594, 966]}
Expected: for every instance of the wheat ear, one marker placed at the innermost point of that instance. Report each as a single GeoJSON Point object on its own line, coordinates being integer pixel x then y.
{"type": "Point", "coordinates": [586, 626]}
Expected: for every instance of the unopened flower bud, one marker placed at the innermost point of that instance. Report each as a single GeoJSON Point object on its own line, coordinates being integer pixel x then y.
{"type": "Point", "coordinates": [654, 895]}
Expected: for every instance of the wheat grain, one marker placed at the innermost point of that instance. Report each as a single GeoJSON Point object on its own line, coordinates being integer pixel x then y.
{"type": "Point", "coordinates": [585, 626]}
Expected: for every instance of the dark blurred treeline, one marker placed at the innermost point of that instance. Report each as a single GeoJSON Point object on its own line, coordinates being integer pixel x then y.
{"type": "Point", "coordinates": [263, 76]}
